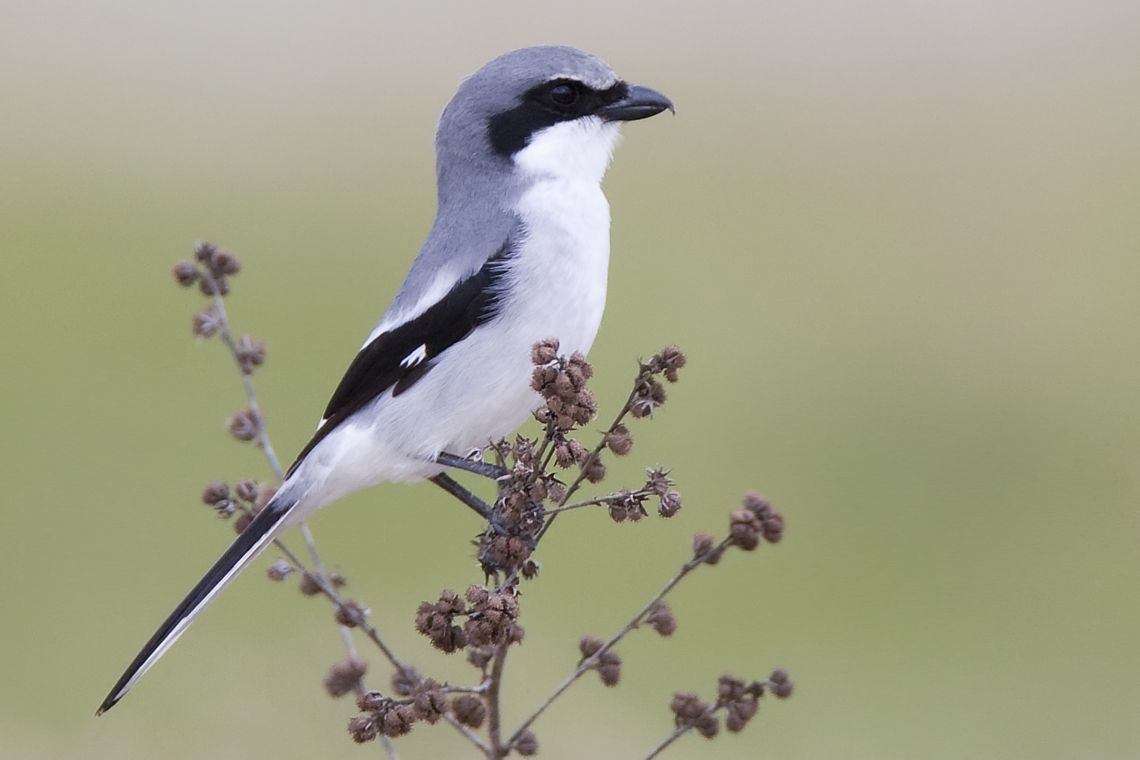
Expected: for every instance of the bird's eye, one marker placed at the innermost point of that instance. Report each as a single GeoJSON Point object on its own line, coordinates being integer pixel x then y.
{"type": "Point", "coordinates": [564, 94]}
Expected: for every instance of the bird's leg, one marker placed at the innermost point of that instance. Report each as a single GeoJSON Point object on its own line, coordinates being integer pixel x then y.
{"type": "Point", "coordinates": [476, 466]}
{"type": "Point", "coordinates": [453, 487]}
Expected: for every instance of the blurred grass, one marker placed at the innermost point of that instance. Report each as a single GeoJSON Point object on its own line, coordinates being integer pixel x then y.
{"type": "Point", "coordinates": [898, 244]}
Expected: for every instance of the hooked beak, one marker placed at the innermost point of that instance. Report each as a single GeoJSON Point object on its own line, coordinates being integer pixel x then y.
{"type": "Point", "coordinates": [639, 103]}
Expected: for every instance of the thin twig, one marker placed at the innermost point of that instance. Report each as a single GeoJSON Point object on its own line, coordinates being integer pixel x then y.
{"type": "Point", "coordinates": [588, 663]}
{"type": "Point", "coordinates": [389, 748]}
{"type": "Point", "coordinates": [595, 501]}
{"type": "Point", "coordinates": [494, 722]}
{"type": "Point", "coordinates": [246, 379]}
{"type": "Point", "coordinates": [676, 734]}
{"type": "Point", "coordinates": [577, 482]}
{"type": "Point", "coordinates": [471, 736]}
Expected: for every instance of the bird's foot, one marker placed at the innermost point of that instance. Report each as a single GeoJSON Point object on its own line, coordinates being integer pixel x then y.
{"type": "Point", "coordinates": [472, 464]}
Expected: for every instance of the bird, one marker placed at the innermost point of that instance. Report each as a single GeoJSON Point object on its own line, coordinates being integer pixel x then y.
{"type": "Point", "coordinates": [518, 253]}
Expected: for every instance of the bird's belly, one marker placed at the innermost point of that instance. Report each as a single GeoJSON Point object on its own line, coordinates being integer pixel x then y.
{"type": "Point", "coordinates": [479, 389]}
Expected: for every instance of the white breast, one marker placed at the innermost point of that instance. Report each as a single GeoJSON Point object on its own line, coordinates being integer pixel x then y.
{"type": "Point", "coordinates": [480, 388]}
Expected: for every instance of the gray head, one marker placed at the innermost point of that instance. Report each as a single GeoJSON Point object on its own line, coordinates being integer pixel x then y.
{"type": "Point", "coordinates": [545, 99]}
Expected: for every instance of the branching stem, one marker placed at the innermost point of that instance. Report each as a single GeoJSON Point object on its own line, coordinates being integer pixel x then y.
{"type": "Point", "coordinates": [590, 662]}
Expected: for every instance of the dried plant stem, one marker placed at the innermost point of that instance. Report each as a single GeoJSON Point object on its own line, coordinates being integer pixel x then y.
{"type": "Point", "coordinates": [471, 736]}
{"type": "Point", "coordinates": [577, 482]}
{"type": "Point", "coordinates": [673, 736]}
{"type": "Point", "coordinates": [494, 722]}
{"type": "Point", "coordinates": [589, 503]}
{"type": "Point", "coordinates": [389, 748]}
{"type": "Point", "coordinates": [227, 337]}
{"type": "Point", "coordinates": [589, 662]}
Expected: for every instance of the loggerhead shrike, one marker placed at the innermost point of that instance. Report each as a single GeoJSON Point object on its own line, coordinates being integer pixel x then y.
{"type": "Point", "coordinates": [518, 253]}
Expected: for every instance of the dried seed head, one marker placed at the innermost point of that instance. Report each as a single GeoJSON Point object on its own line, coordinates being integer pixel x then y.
{"type": "Point", "coordinates": [437, 622]}
{"type": "Point", "coordinates": [244, 425]}
{"type": "Point", "coordinates": [215, 492]}
{"type": "Point", "coordinates": [309, 584]}
{"type": "Point", "coordinates": [562, 384]}
{"type": "Point", "coordinates": [211, 284]}
{"type": "Point", "coordinates": [279, 570]}
{"type": "Point", "coordinates": [371, 701]}
{"type": "Point", "coordinates": [527, 744]}
{"type": "Point", "coordinates": [242, 521]}
{"type": "Point", "coordinates": [405, 680]}
{"type": "Point", "coordinates": [503, 553]}
{"type": "Point", "coordinates": [350, 613]}
{"type": "Point", "coordinates": [745, 529]}
{"type": "Point", "coordinates": [250, 353]}
{"type": "Point", "coordinates": [648, 396]}
{"type": "Point", "coordinates": [773, 528]}
{"type": "Point", "coordinates": [706, 546]}
{"type": "Point", "coordinates": [530, 569]}
{"type": "Point", "coordinates": [206, 323]}
{"type": "Point", "coordinates": [570, 452]}
{"type": "Point", "coordinates": [667, 361]}
{"type": "Point", "coordinates": [469, 710]}
{"type": "Point", "coordinates": [246, 490]}
{"type": "Point", "coordinates": [396, 720]}
{"type": "Point", "coordinates": [186, 273]}
{"type": "Point", "coordinates": [707, 725]}
{"type": "Point", "coordinates": [344, 677]}
{"type": "Point", "coordinates": [490, 617]}
{"type": "Point", "coordinates": [480, 657]}
{"type": "Point", "coordinates": [687, 707]}
{"type": "Point", "coordinates": [588, 646]}
{"type": "Point", "coordinates": [739, 713]}
{"type": "Point", "coordinates": [729, 688]}
{"type": "Point", "coordinates": [609, 667]}
{"type": "Point", "coordinates": [662, 619]}
{"type": "Point", "coordinates": [657, 481]}
{"type": "Point", "coordinates": [545, 351]}
{"type": "Point", "coordinates": [595, 470]}
{"type": "Point", "coordinates": [619, 440]}
{"type": "Point", "coordinates": [781, 683]}
{"type": "Point", "coordinates": [225, 263]}
{"type": "Point", "coordinates": [204, 251]}
{"type": "Point", "coordinates": [363, 729]}
{"type": "Point", "coordinates": [429, 701]}
{"type": "Point", "coordinates": [670, 503]}
{"type": "Point", "coordinates": [757, 504]}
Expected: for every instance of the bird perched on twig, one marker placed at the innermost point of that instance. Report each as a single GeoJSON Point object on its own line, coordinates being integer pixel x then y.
{"type": "Point", "coordinates": [518, 253]}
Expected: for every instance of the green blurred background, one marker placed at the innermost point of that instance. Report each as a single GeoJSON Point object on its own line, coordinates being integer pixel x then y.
{"type": "Point", "coordinates": [898, 241]}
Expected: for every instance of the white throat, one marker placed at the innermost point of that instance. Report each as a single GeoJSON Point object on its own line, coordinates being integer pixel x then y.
{"type": "Point", "coordinates": [578, 150]}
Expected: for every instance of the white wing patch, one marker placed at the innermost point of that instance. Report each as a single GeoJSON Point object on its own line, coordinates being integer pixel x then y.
{"type": "Point", "coordinates": [442, 281]}
{"type": "Point", "coordinates": [414, 357]}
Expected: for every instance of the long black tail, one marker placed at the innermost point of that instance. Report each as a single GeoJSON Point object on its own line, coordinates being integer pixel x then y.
{"type": "Point", "coordinates": [247, 546]}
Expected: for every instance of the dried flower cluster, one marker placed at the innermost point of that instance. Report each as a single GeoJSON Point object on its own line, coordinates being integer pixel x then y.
{"type": "Point", "coordinates": [736, 698]}
{"type": "Point", "coordinates": [491, 619]}
{"type": "Point", "coordinates": [536, 479]}
{"type": "Point", "coordinates": [245, 501]}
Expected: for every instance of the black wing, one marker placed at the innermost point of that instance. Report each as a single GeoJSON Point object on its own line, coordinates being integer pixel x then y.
{"type": "Point", "coordinates": [399, 357]}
